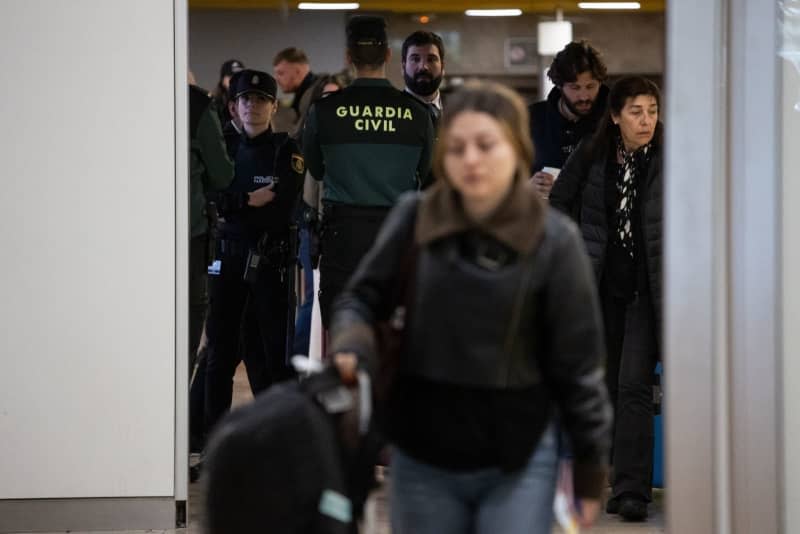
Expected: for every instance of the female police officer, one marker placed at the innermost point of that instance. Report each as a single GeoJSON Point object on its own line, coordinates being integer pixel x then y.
{"type": "Point", "coordinates": [250, 294]}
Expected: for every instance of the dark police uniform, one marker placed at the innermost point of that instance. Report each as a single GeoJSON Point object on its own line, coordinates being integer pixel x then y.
{"type": "Point", "coordinates": [368, 143]}
{"type": "Point", "coordinates": [256, 307]}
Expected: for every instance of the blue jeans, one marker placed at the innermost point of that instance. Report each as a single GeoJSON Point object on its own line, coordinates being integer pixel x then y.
{"type": "Point", "coordinates": [429, 500]}
{"type": "Point", "coordinates": [302, 324]}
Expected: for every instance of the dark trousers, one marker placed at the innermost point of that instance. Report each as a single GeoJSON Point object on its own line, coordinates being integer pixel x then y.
{"type": "Point", "coordinates": [198, 304]}
{"type": "Point", "coordinates": [198, 292]}
{"type": "Point", "coordinates": [253, 313]}
{"type": "Point", "coordinates": [632, 356]}
{"type": "Point", "coordinates": [197, 403]}
{"type": "Point", "coordinates": [348, 234]}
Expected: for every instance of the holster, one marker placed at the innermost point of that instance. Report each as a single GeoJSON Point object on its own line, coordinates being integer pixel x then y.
{"type": "Point", "coordinates": [269, 253]}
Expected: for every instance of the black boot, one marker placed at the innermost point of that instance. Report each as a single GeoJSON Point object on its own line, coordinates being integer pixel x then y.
{"type": "Point", "coordinates": [612, 506]}
{"type": "Point", "coordinates": [632, 508]}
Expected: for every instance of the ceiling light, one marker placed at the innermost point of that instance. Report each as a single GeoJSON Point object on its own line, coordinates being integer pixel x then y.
{"type": "Point", "coordinates": [426, 18]}
{"type": "Point", "coordinates": [493, 12]}
{"type": "Point", "coordinates": [329, 6]}
{"type": "Point", "coordinates": [609, 5]}
{"type": "Point", "coordinates": [552, 36]}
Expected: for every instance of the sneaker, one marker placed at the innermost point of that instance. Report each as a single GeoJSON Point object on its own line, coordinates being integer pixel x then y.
{"type": "Point", "coordinates": [633, 508]}
{"type": "Point", "coordinates": [612, 506]}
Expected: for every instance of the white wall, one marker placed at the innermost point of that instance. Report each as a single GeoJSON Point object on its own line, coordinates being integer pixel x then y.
{"type": "Point", "coordinates": [791, 285]}
{"type": "Point", "coordinates": [87, 293]}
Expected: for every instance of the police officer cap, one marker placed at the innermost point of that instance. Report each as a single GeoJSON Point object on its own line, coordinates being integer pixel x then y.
{"type": "Point", "coordinates": [255, 81]}
{"type": "Point", "coordinates": [366, 30]}
{"type": "Point", "coordinates": [230, 67]}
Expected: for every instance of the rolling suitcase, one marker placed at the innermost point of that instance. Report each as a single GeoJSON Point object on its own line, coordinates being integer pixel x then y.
{"type": "Point", "coordinates": [298, 460]}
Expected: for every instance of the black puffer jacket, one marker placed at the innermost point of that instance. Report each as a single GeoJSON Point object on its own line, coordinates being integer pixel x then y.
{"type": "Point", "coordinates": [580, 192]}
{"type": "Point", "coordinates": [469, 398]}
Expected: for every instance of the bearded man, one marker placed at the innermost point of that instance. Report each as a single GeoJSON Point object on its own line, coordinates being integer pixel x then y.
{"type": "Point", "coordinates": [570, 113]}
{"type": "Point", "coordinates": [423, 70]}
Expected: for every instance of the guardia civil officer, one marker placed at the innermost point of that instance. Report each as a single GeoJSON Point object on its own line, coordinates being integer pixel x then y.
{"type": "Point", "coordinates": [368, 143]}
{"type": "Point", "coordinates": [250, 294]}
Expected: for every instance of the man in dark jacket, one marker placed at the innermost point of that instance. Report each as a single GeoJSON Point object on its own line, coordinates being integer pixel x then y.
{"type": "Point", "coordinates": [368, 144]}
{"type": "Point", "coordinates": [293, 74]}
{"type": "Point", "coordinates": [423, 69]}
{"type": "Point", "coordinates": [570, 113]}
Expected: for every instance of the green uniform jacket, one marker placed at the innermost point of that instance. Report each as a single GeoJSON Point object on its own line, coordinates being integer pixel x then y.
{"type": "Point", "coordinates": [210, 167]}
{"type": "Point", "coordinates": [368, 143]}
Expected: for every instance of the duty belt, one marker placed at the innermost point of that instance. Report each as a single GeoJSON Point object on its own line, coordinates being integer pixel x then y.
{"type": "Point", "coordinates": [240, 247]}
{"type": "Point", "coordinates": [233, 247]}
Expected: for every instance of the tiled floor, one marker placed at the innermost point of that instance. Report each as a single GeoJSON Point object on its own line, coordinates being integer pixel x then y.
{"type": "Point", "coordinates": [377, 512]}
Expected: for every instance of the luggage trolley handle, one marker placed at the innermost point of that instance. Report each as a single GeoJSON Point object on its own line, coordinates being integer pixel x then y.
{"type": "Point", "coordinates": [365, 402]}
{"type": "Point", "coordinates": [339, 398]}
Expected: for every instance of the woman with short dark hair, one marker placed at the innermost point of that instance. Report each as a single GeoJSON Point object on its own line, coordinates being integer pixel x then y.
{"type": "Point", "coordinates": [612, 186]}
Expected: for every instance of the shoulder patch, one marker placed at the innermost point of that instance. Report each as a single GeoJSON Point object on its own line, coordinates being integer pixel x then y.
{"type": "Point", "coordinates": [298, 164]}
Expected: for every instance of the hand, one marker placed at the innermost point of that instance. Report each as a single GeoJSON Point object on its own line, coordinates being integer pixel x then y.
{"type": "Point", "coordinates": [260, 196]}
{"type": "Point", "coordinates": [543, 182]}
{"type": "Point", "coordinates": [346, 363]}
{"type": "Point", "coordinates": [588, 510]}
